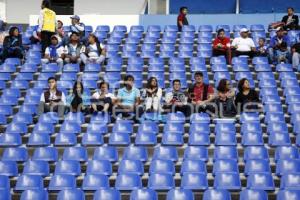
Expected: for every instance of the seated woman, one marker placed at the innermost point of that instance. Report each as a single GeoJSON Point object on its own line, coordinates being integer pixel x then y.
{"type": "Point", "coordinates": [246, 98]}
{"type": "Point", "coordinates": [102, 100]}
{"type": "Point", "coordinates": [78, 100]}
{"type": "Point", "coordinates": [95, 53]}
{"type": "Point", "coordinates": [152, 95]}
{"type": "Point", "coordinates": [54, 53]}
{"type": "Point", "coordinates": [224, 99]}
{"type": "Point", "coordinates": [12, 44]}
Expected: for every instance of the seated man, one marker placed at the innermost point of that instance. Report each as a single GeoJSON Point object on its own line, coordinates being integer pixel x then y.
{"type": "Point", "coordinates": [275, 44]}
{"type": "Point", "coordinates": [221, 46]}
{"type": "Point", "coordinates": [176, 100]}
{"type": "Point", "coordinates": [102, 100]}
{"type": "Point", "coordinates": [52, 100]}
{"type": "Point", "coordinates": [12, 44]}
{"type": "Point", "coordinates": [74, 49]}
{"type": "Point", "coordinates": [201, 94]}
{"type": "Point", "coordinates": [291, 21]}
{"type": "Point", "coordinates": [54, 53]}
{"type": "Point", "coordinates": [128, 98]}
{"type": "Point", "coordinates": [243, 45]}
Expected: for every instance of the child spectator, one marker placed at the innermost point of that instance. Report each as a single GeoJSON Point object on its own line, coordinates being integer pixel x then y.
{"type": "Point", "coordinates": [282, 53]}
{"type": "Point", "coordinates": [262, 49]}
{"type": "Point", "coordinates": [54, 53]}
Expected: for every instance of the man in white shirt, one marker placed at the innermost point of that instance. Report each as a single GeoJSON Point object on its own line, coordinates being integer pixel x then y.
{"type": "Point", "coordinates": [54, 53]}
{"type": "Point", "coordinates": [102, 100]}
{"type": "Point", "coordinates": [243, 45]}
{"type": "Point", "coordinates": [52, 100]}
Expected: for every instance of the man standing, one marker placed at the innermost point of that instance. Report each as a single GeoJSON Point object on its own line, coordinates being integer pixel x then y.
{"type": "Point", "coordinates": [181, 19]}
{"type": "Point", "coordinates": [290, 21]}
{"type": "Point", "coordinates": [47, 24]}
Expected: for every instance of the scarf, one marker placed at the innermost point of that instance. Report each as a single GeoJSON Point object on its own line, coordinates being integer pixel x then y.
{"type": "Point", "coordinates": [53, 50]}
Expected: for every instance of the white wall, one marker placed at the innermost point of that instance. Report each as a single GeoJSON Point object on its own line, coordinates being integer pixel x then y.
{"type": "Point", "coordinates": [109, 7]}
{"type": "Point", "coordinates": [2, 10]}
{"type": "Point", "coordinates": [18, 11]}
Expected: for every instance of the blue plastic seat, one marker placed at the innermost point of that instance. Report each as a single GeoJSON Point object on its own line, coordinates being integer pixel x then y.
{"type": "Point", "coordinates": [94, 182]}
{"type": "Point", "coordinates": [62, 182]}
{"type": "Point", "coordinates": [162, 166]}
{"type": "Point", "coordinates": [143, 194]}
{"type": "Point", "coordinates": [70, 167]}
{"type": "Point", "coordinates": [8, 68]}
{"type": "Point", "coordinates": [5, 194]}
{"type": "Point", "coordinates": [26, 182]}
{"type": "Point", "coordinates": [260, 60]}
{"type": "Point", "coordinates": [216, 194]}
{"type": "Point", "coordinates": [273, 108]}
{"type": "Point", "coordinates": [161, 181]}
{"type": "Point", "coordinates": [43, 128]}
{"type": "Point", "coordinates": [225, 139]}
{"type": "Point", "coordinates": [106, 153]}
{"type": "Point", "coordinates": [288, 194]}
{"type": "Point", "coordinates": [128, 182]}
{"type": "Point", "coordinates": [165, 153]}
{"type": "Point", "coordinates": [240, 67]}
{"type": "Point", "coordinates": [70, 127]}
{"type": "Point", "coordinates": [225, 152]}
{"type": "Point", "coordinates": [262, 68]}
{"type": "Point", "coordinates": [228, 181]}
{"type": "Point", "coordinates": [65, 139]}
{"type": "Point", "coordinates": [272, 118]}
{"type": "Point", "coordinates": [199, 118]}
{"type": "Point", "coordinates": [257, 166]}
{"type": "Point", "coordinates": [10, 140]}
{"type": "Point", "coordinates": [199, 138]}
{"type": "Point", "coordinates": [279, 139]}
{"type": "Point", "coordinates": [143, 138]}
{"type": "Point", "coordinates": [131, 167]}
{"type": "Point", "coordinates": [8, 168]}
{"type": "Point", "coordinates": [248, 194]}
{"type": "Point", "coordinates": [99, 167]}
{"type": "Point", "coordinates": [286, 152]}
{"type": "Point", "coordinates": [18, 154]}
{"type": "Point", "coordinates": [290, 181]}
{"type": "Point", "coordinates": [75, 194]}
{"type": "Point", "coordinates": [120, 28]}
{"type": "Point", "coordinates": [225, 166]}
{"type": "Point", "coordinates": [194, 181]}
{"type": "Point", "coordinates": [75, 153]}
{"type": "Point", "coordinates": [193, 166]}
{"type": "Point", "coordinates": [225, 127]}
{"type": "Point", "coordinates": [71, 68]}
{"type": "Point", "coordinates": [172, 138]}
{"type": "Point", "coordinates": [51, 67]}
{"type": "Point", "coordinates": [252, 139]}
{"type": "Point", "coordinates": [174, 127]}
{"type": "Point", "coordinates": [249, 117]}
{"type": "Point", "coordinates": [119, 138]}
{"type": "Point", "coordinates": [196, 153]}
{"type": "Point", "coordinates": [92, 67]}
{"type": "Point", "coordinates": [123, 126]}
{"type": "Point", "coordinates": [8, 100]}
{"type": "Point", "coordinates": [14, 92]}
{"type": "Point", "coordinates": [287, 166]}
{"type": "Point", "coordinates": [107, 194]}
{"type": "Point", "coordinates": [260, 181]}
{"type": "Point", "coordinates": [48, 154]}
{"type": "Point", "coordinates": [256, 152]}
{"type": "Point", "coordinates": [284, 68]}
{"type": "Point", "coordinates": [92, 139]}
{"type": "Point", "coordinates": [13, 61]}
{"type": "Point", "coordinates": [103, 28]}
{"type": "Point", "coordinates": [4, 182]}
{"type": "Point", "coordinates": [34, 194]}
{"type": "Point", "coordinates": [22, 118]}
{"type": "Point", "coordinates": [137, 28]}
{"type": "Point", "coordinates": [36, 167]}
{"type": "Point", "coordinates": [136, 153]}
{"type": "Point", "coordinates": [253, 127]}
{"type": "Point", "coordinates": [148, 127]}
{"type": "Point", "coordinates": [267, 83]}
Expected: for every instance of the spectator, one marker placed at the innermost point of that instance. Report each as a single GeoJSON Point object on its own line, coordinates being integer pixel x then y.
{"type": "Point", "coordinates": [77, 26]}
{"type": "Point", "coordinates": [181, 19]}
{"type": "Point", "coordinates": [275, 44]}
{"type": "Point", "coordinates": [128, 98]}
{"type": "Point", "coordinates": [47, 24]}
{"type": "Point", "coordinates": [35, 38]}
{"type": "Point", "coordinates": [74, 49]}
{"type": "Point", "coordinates": [221, 46]}
{"type": "Point", "coordinates": [243, 45]}
{"type": "Point", "coordinates": [262, 49]}
{"type": "Point", "coordinates": [54, 53]}
{"type": "Point", "coordinates": [152, 95]}
{"type": "Point", "coordinates": [201, 94]}
{"type": "Point", "coordinates": [246, 96]}
{"type": "Point", "coordinates": [296, 55]}
{"type": "Point", "coordinates": [224, 99]}
{"type": "Point", "coordinates": [282, 53]}
{"type": "Point", "coordinates": [102, 100]}
{"type": "Point", "coordinates": [60, 30]}
{"type": "Point", "coordinates": [94, 53]}
{"type": "Point", "coordinates": [78, 101]}
{"type": "Point", "coordinates": [2, 25]}
{"type": "Point", "coordinates": [291, 21]}
{"type": "Point", "coordinates": [12, 45]}
{"type": "Point", "coordinates": [176, 100]}
{"type": "Point", "coordinates": [52, 100]}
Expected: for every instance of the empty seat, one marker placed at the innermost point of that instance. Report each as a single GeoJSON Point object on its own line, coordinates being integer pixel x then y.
{"type": "Point", "coordinates": [144, 138]}
{"type": "Point", "coordinates": [225, 166]}
{"type": "Point", "coordinates": [165, 153]}
{"type": "Point", "coordinates": [225, 139]}
{"type": "Point", "coordinates": [248, 194]}
{"type": "Point", "coordinates": [288, 194]}
{"type": "Point", "coordinates": [161, 181]}
{"type": "Point", "coordinates": [216, 194]}
{"type": "Point", "coordinates": [118, 138]}
{"type": "Point", "coordinates": [131, 166]}
{"type": "Point", "coordinates": [106, 153]}
{"type": "Point", "coordinates": [75, 194]}
{"type": "Point", "coordinates": [172, 138]}
{"type": "Point", "coordinates": [256, 152]}
{"type": "Point", "coordinates": [8, 168]}
{"type": "Point", "coordinates": [20, 128]}
{"type": "Point", "coordinates": [107, 194]}
{"type": "Point", "coordinates": [287, 166]}
{"type": "Point", "coordinates": [99, 167]}
{"type": "Point", "coordinates": [34, 194]}
{"type": "Point", "coordinates": [143, 194]}
{"type": "Point", "coordinates": [49, 154]}
{"type": "Point", "coordinates": [128, 182]}
{"type": "Point", "coordinates": [196, 152]}
{"type": "Point", "coordinates": [61, 182]}
{"type": "Point", "coordinates": [290, 181]}
{"type": "Point", "coordinates": [228, 181]}
{"type": "Point", "coordinates": [75, 153]}
{"type": "Point", "coordinates": [36, 167]}
{"type": "Point", "coordinates": [26, 182]}
{"type": "Point", "coordinates": [260, 181]}
{"type": "Point", "coordinates": [194, 181]}
{"type": "Point", "coordinates": [162, 166]}
{"type": "Point", "coordinates": [286, 152]}
{"type": "Point", "coordinates": [69, 167]}
{"type": "Point", "coordinates": [225, 152]}
{"type": "Point", "coordinates": [10, 140]}
{"type": "Point", "coordinates": [15, 154]}
{"type": "Point", "coordinates": [95, 182]}
{"type": "Point", "coordinates": [65, 139]}
{"type": "Point", "coordinates": [199, 138]}
{"type": "Point", "coordinates": [257, 166]}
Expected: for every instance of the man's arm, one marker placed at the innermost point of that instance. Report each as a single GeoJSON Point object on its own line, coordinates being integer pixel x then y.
{"type": "Point", "coordinates": [79, 26]}
{"type": "Point", "coordinates": [41, 21]}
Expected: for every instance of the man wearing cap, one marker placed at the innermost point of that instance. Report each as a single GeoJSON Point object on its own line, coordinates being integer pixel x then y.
{"type": "Point", "coordinates": [276, 42]}
{"type": "Point", "coordinates": [54, 53]}
{"type": "Point", "coordinates": [77, 26]}
{"type": "Point", "coordinates": [47, 24]}
{"type": "Point", "coordinates": [243, 45]}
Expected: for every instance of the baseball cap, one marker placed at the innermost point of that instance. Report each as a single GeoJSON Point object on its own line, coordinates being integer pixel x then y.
{"type": "Point", "coordinates": [75, 17]}
{"type": "Point", "coordinates": [279, 29]}
{"type": "Point", "coordinates": [244, 30]}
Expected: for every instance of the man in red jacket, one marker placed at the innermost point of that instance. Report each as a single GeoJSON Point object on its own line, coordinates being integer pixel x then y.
{"type": "Point", "coordinates": [221, 46]}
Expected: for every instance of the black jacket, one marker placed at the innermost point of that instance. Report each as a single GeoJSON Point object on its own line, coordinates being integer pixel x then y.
{"type": "Point", "coordinates": [292, 25]}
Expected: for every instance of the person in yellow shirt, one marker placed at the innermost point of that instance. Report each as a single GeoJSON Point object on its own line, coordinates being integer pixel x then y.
{"type": "Point", "coordinates": [47, 24]}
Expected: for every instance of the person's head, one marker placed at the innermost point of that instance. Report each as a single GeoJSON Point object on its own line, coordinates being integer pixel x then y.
{"type": "Point", "coordinates": [183, 10]}
{"type": "Point", "coordinates": [45, 4]}
{"type": "Point", "coordinates": [59, 24]}
{"type": "Point", "coordinates": [104, 87]}
{"type": "Point", "coordinates": [14, 31]}
{"type": "Point", "coordinates": [198, 76]}
{"type": "Point", "coordinates": [290, 11]}
{"type": "Point", "coordinates": [261, 42]}
{"type": "Point", "coordinates": [78, 88]}
{"type": "Point", "coordinates": [52, 83]}
{"type": "Point", "coordinates": [176, 85]}
{"type": "Point", "coordinates": [93, 39]}
{"type": "Point", "coordinates": [152, 82]}
{"type": "Point", "coordinates": [129, 81]}
{"type": "Point", "coordinates": [75, 19]}
{"type": "Point", "coordinates": [54, 40]}
{"type": "Point", "coordinates": [280, 32]}
{"type": "Point", "coordinates": [244, 32]}
{"type": "Point", "coordinates": [74, 37]}
{"type": "Point", "coordinates": [224, 86]}
{"type": "Point", "coordinates": [221, 33]}
{"type": "Point", "coordinates": [243, 85]}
